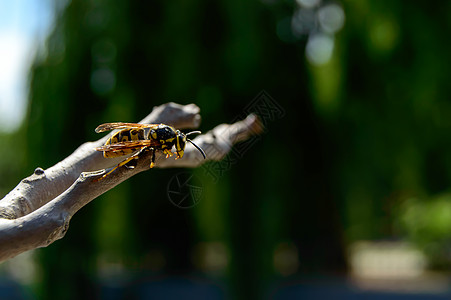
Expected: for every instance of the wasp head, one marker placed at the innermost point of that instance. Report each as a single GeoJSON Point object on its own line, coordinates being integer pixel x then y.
{"type": "Point", "coordinates": [181, 143]}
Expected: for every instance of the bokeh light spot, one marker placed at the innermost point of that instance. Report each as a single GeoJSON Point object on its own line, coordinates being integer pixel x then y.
{"type": "Point", "coordinates": [319, 49]}
{"type": "Point", "coordinates": [308, 3]}
{"type": "Point", "coordinates": [383, 34]}
{"type": "Point", "coordinates": [331, 18]}
{"type": "Point", "coordinates": [103, 81]}
{"type": "Point", "coordinates": [303, 22]}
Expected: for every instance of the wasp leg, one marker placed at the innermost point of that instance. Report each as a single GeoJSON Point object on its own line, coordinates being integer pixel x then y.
{"type": "Point", "coordinates": [152, 162]}
{"type": "Point", "coordinates": [168, 153]}
{"type": "Point", "coordinates": [122, 163]}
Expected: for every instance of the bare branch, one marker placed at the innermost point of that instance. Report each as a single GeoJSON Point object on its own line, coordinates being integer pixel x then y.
{"type": "Point", "coordinates": [44, 185]}
{"type": "Point", "coordinates": [37, 212]}
{"type": "Point", "coordinates": [216, 143]}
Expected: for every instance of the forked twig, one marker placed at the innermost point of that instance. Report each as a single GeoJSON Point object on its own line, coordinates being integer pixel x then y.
{"type": "Point", "coordinates": [38, 210]}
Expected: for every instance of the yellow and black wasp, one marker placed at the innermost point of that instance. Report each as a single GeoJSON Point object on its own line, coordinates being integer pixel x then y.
{"type": "Point", "coordinates": [136, 138]}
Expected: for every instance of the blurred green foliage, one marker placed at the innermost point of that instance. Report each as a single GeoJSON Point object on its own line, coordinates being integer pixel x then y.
{"type": "Point", "coordinates": [427, 224]}
{"type": "Point", "coordinates": [362, 145]}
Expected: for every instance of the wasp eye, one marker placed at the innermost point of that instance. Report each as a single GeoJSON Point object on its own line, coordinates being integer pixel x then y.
{"type": "Point", "coordinates": [182, 144]}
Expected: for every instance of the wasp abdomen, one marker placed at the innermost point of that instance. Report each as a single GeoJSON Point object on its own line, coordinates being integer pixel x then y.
{"type": "Point", "coordinates": [124, 136]}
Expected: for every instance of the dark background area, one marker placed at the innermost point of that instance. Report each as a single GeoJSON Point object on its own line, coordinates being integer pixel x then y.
{"type": "Point", "coordinates": [355, 148]}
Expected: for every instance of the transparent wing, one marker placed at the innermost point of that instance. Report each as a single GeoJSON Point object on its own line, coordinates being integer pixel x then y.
{"type": "Point", "coordinates": [128, 145]}
{"type": "Point", "coordinates": [121, 125]}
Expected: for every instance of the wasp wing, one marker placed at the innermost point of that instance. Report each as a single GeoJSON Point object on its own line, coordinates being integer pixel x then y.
{"type": "Point", "coordinates": [128, 145]}
{"type": "Point", "coordinates": [121, 125]}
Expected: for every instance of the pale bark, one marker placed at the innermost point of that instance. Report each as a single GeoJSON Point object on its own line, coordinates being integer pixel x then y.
{"type": "Point", "coordinates": [37, 212]}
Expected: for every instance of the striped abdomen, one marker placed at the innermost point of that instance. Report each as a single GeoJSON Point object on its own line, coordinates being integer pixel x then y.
{"type": "Point", "coordinates": [123, 136]}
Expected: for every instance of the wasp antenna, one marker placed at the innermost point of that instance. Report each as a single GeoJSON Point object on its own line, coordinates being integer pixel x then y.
{"type": "Point", "coordinates": [198, 148]}
{"type": "Point", "coordinates": [193, 132]}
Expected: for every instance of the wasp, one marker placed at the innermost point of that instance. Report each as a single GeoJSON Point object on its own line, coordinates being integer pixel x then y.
{"type": "Point", "coordinates": [136, 138]}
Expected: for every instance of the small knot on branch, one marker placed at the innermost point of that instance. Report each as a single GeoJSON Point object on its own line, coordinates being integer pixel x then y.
{"type": "Point", "coordinates": [39, 171]}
